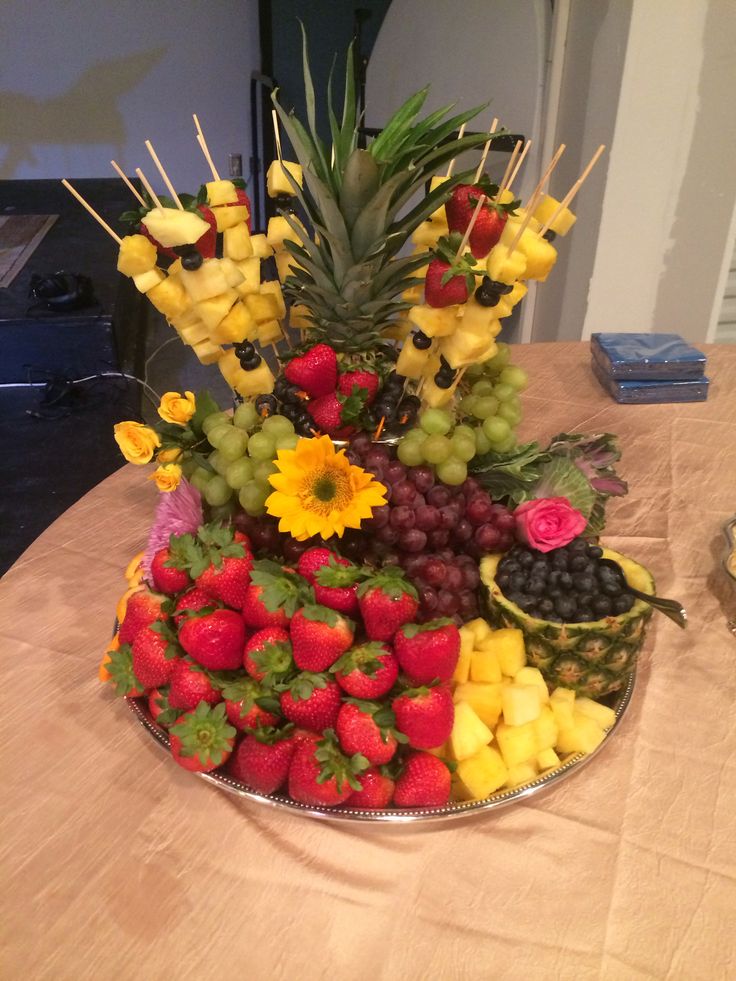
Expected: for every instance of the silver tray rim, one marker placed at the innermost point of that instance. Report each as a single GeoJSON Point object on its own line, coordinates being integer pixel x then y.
{"type": "Point", "coordinates": [460, 809]}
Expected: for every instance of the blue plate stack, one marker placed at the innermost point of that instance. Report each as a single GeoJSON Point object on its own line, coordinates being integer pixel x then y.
{"type": "Point", "coordinates": [646, 368]}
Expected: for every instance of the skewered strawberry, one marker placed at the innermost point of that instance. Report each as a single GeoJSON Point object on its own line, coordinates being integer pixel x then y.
{"type": "Point", "coordinates": [449, 280]}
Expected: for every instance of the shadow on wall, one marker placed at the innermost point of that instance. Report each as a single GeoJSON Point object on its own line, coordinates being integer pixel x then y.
{"type": "Point", "coordinates": [88, 113]}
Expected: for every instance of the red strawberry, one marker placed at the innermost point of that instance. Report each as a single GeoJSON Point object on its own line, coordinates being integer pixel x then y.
{"type": "Point", "coordinates": [157, 703]}
{"type": "Point", "coordinates": [143, 608]}
{"type": "Point", "coordinates": [120, 669]}
{"type": "Point", "coordinates": [319, 636]}
{"type": "Point", "coordinates": [312, 701]}
{"type": "Point", "coordinates": [262, 759]}
{"type": "Point", "coordinates": [192, 601]}
{"type": "Point", "coordinates": [320, 775]}
{"type": "Point", "coordinates": [353, 380]}
{"type": "Point", "coordinates": [327, 412]}
{"type": "Point", "coordinates": [458, 207]}
{"type": "Point", "coordinates": [491, 219]}
{"type": "Point", "coordinates": [219, 563]}
{"type": "Point", "coordinates": [228, 581]}
{"type": "Point", "coordinates": [368, 671]}
{"type": "Point", "coordinates": [487, 230]}
{"type": "Point", "coordinates": [244, 704]}
{"type": "Point", "coordinates": [367, 728]}
{"type": "Point", "coordinates": [267, 654]}
{"type": "Point", "coordinates": [206, 244]}
{"type": "Point", "coordinates": [376, 791]}
{"type": "Point", "coordinates": [428, 652]}
{"type": "Point", "coordinates": [313, 559]}
{"type": "Point", "coordinates": [214, 640]}
{"type": "Point", "coordinates": [257, 615]}
{"type": "Point", "coordinates": [167, 578]}
{"type": "Point", "coordinates": [387, 601]}
{"type": "Point", "coordinates": [189, 685]}
{"type": "Point", "coordinates": [202, 739]}
{"type": "Point", "coordinates": [315, 372]}
{"type": "Point", "coordinates": [153, 657]}
{"type": "Point", "coordinates": [336, 585]}
{"type": "Point", "coordinates": [449, 279]}
{"type": "Point", "coordinates": [425, 716]}
{"type": "Point", "coordinates": [424, 782]}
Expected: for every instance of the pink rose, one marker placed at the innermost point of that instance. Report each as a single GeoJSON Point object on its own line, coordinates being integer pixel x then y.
{"type": "Point", "coordinates": [548, 523]}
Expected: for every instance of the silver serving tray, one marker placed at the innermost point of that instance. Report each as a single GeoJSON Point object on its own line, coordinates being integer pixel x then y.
{"type": "Point", "coordinates": [619, 702]}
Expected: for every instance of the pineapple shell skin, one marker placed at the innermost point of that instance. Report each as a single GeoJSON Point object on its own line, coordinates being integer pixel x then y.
{"type": "Point", "coordinates": [594, 658]}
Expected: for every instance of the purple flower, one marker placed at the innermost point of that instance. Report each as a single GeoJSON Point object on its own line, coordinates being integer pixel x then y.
{"type": "Point", "coordinates": [177, 513]}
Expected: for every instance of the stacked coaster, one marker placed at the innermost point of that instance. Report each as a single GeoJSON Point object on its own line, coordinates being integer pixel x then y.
{"type": "Point", "coordinates": [646, 368]}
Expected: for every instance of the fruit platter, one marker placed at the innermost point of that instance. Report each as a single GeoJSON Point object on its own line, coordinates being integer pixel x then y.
{"type": "Point", "coordinates": [361, 597]}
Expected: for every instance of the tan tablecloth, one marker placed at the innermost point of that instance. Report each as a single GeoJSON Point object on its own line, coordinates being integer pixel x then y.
{"type": "Point", "coordinates": [116, 864]}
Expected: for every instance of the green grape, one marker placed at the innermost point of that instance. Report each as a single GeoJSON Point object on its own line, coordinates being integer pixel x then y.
{"type": "Point", "coordinates": [499, 361]}
{"type": "Point", "coordinates": [214, 419]}
{"type": "Point", "coordinates": [463, 446]}
{"type": "Point", "coordinates": [240, 472]}
{"type": "Point", "coordinates": [217, 491]}
{"type": "Point", "coordinates": [510, 413]}
{"type": "Point", "coordinates": [215, 435]}
{"type": "Point", "coordinates": [232, 444]}
{"type": "Point", "coordinates": [452, 471]}
{"type": "Point", "coordinates": [482, 443]}
{"type": "Point", "coordinates": [474, 371]}
{"type": "Point", "coordinates": [277, 426]}
{"type": "Point", "coordinates": [414, 434]}
{"type": "Point", "coordinates": [516, 377]}
{"type": "Point", "coordinates": [506, 445]}
{"type": "Point", "coordinates": [464, 428]}
{"type": "Point", "coordinates": [435, 422]}
{"type": "Point", "coordinates": [504, 392]}
{"type": "Point", "coordinates": [262, 471]}
{"type": "Point", "coordinates": [485, 407]}
{"type": "Point", "coordinates": [222, 512]}
{"type": "Point", "coordinates": [218, 463]}
{"type": "Point", "coordinates": [261, 446]}
{"type": "Point", "coordinates": [467, 404]}
{"type": "Point", "coordinates": [246, 416]}
{"type": "Point", "coordinates": [496, 430]}
{"type": "Point", "coordinates": [436, 448]}
{"type": "Point", "coordinates": [410, 452]}
{"type": "Point", "coordinates": [482, 387]}
{"type": "Point", "coordinates": [200, 478]}
{"type": "Point", "coordinates": [287, 441]}
{"type": "Point", "coordinates": [252, 499]}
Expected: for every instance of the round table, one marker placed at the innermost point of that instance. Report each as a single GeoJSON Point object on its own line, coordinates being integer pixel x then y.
{"type": "Point", "coordinates": [118, 864]}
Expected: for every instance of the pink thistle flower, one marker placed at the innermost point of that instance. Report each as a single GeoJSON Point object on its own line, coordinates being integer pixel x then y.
{"type": "Point", "coordinates": [177, 513]}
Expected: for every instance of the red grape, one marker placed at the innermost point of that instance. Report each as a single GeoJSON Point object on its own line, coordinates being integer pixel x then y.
{"type": "Point", "coordinates": [422, 478]}
{"type": "Point", "coordinates": [439, 537]}
{"type": "Point", "coordinates": [463, 531]}
{"type": "Point", "coordinates": [427, 517]}
{"type": "Point", "coordinates": [487, 537]}
{"type": "Point", "coordinates": [403, 493]}
{"type": "Point", "coordinates": [439, 495]}
{"type": "Point", "coordinates": [435, 571]}
{"type": "Point", "coordinates": [403, 517]}
{"type": "Point", "coordinates": [448, 603]}
{"type": "Point", "coordinates": [453, 578]}
{"type": "Point", "coordinates": [413, 540]}
{"type": "Point", "coordinates": [479, 509]}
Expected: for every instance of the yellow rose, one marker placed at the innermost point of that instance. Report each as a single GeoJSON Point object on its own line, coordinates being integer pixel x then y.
{"type": "Point", "coordinates": [136, 441]}
{"type": "Point", "coordinates": [167, 477]}
{"type": "Point", "coordinates": [176, 408]}
{"type": "Point", "coordinates": [168, 456]}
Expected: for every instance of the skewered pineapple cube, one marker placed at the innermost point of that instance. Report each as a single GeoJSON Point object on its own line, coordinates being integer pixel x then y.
{"type": "Point", "coordinates": [145, 282]}
{"type": "Point", "coordinates": [230, 270]}
{"type": "Point", "coordinates": [434, 396]}
{"type": "Point", "coordinates": [439, 215]}
{"type": "Point", "coordinates": [399, 329]}
{"type": "Point", "coordinates": [215, 308]}
{"type": "Point", "coordinates": [279, 230]}
{"type": "Point", "coordinates": [482, 774]}
{"type": "Point", "coordinates": [207, 352]}
{"type": "Point", "coordinates": [547, 207]}
{"type": "Point", "coordinates": [220, 192]}
{"type": "Point", "coordinates": [505, 267]}
{"type": "Point", "coordinates": [274, 288]}
{"type": "Point", "coordinates": [209, 280]}
{"type": "Point", "coordinates": [251, 270]}
{"type": "Point", "coordinates": [194, 333]}
{"type": "Point", "coordinates": [259, 381]}
{"type": "Point", "coordinates": [230, 215]}
{"type": "Point", "coordinates": [285, 262]}
{"type": "Point", "coordinates": [137, 255]}
{"type": "Point", "coordinates": [435, 321]}
{"type": "Point", "coordinates": [170, 298]}
{"type": "Point", "coordinates": [428, 234]}
{"type": "Point", "coordinates": [540, 254]}
{"type": "Point", "coordinates": [277, 181]}
{"type": "Point", "coordinates": [236, 326]}
{"type": "Point", "coordinates": [261, 248]}
{"type": "Point", "coordinates": [263, 306]}
{"type": "Point", "coordinates": [269, 332]}
{"type": "Point", "coordinates": [412, 362]}
{"type": "Point", "coordinates": [236, 242]}
{"type": "Point", "coordinates": [300, 317]}
{"type": "Point", "coordinates": [172, 227]}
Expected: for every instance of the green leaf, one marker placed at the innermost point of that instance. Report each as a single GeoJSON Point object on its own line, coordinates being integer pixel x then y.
{"type": "Point", "coordinates": [205, 406]}
{"type": "Point", "coordinates": [384, 144]}
{"type": "Point", "coordinates": [561, 478]}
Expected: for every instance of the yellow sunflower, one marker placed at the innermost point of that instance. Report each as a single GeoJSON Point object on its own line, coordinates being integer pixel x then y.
{"type": "Point", "coordinates": [317, 491]}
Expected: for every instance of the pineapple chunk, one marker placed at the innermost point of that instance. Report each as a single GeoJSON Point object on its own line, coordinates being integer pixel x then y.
{"type": "Point", "coordinates": [251, 270]}
{"type": "Point", "coordinates": [399, 329]}
{"type": "Point", "coordinates": [429, 233]}
{"type": "Point", "coordinates": [230, 270]}
{"type": "Point", "coordinates": [279, 230]}
{"type": "Point", "coordinates": [540, 254]}
{"type": "Point", "coordinates": [221, 192]}
{"type": "Point", "coordinates": [484, 666]}
{"type": "Point", "coordinates": [412, 362]}
{"type": "Point", "coordinates": [229, 366]}
{"type": "Point", "coordinates": [261, 248]}
{"type": "Point", "coordinates": [209, 280]}
{"type": "Point", "coordinates": [137, 255]}
{"type": "Point", "coordinates": [269, 332]}
{"type": "Point", "coordinates": [601, 714]}
{"type": "Point", "coordinates": [259, 381]}
{"type": "Point", "coordinates": [277, 181]}
{"type": "Point", "coordinates": [521, 704]}
{"type": "Point", "coordinates": [236, 243]}
{"type": "Point", "coordinates": [285, 262]}
{"type": "Point", "coordinates": [521, 773]}
{"type": "Point", "coordinates": [435, 321]}
{"type": "Point", "coordinates": [469, 732]}
{"type": "Point", "coordinates": [436, 397]}
{"type": "Point", "coordinates": [236, 326]}
{"type": "Point", "coordinates": [145, 282]}
{"type": "Point", "coordinates": [583, 737]}
{"type": "Point", "coordinates": [207, 352]}
{"type": "Point", "coordinates": [517, 743]}
{"type": "Point", "coordinates": [263, 306]}
{"type": "Point", "coordinates": [229, 215]}
{"type": "Point", "coordinates": [480, 629]}
{"type": "Point", "coordinates": [483, 773]}
{"type": "Point", "coordinates": [548, 760]}
{"type": "Point", "coordinates": [484, 698]}
{"type": "Point", "coordinates": [546, 729]}
{"type": "Point", "coordinates": [274, 288]}
{"type": "Point", "coordinates": [562, 703]}
{"type": "Point", "coordinates": [171, 227]}
{"type": "Point", "coordinates": [194, 333]}
{"type": "Point", "coordinates": [300, 317]}
{"type": "Point", "coordinates": [547, 207]}
{"type": "Point", "coordinates": [503, 267]}
{"type": "Point", "coordinates": [508, 643]}
{"type": "Point", "coordinates": [170, 298]}
{"type": "Point", "coordinates": [462, 669]}
{"type": "Point", "coordinates": [533, 676]}
{"type": "Point", "coordinates": [214, 309]}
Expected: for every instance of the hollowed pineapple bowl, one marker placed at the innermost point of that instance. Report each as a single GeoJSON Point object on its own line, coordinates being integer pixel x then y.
{"type": "Point", "coordinates": [592, 658]}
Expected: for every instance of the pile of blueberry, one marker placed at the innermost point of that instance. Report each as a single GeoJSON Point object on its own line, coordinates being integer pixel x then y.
{"type": "Point", "coordinates": [566, 585]}
{"type": "Point", "coordinates": [445, 377]}
{"type": "Point", "coordinates": [397, 409]}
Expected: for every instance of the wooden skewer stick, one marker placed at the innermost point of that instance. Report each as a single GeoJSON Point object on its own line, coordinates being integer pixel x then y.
{"type": "Point", "coordinates": [574, 189]}
{"type": "Point", "coordinates": [164, 175]}
{"type": "Point", "coordinates": [276, 134]}
{"type": "Point", "coordinates": [469, 229]}
{"type": "Point", "coordinates": [509, 165]}
{"type": "Point", "coordinates": [91, 210]}
{"type": "Point", "coordinates": [536, 195]}
{"type": "Point", "coordinates": [149, 189]}
{"type": "Point", "coordinates": [205, 149]}
{"type": "Point", "coordinates": [379, 428]}
{"type": "Point", "coordinates": [128, 184]}
{"type": "Point", "coordinates": [451, 165]}
{"type": "Point", "coordinates": [516, 169]}
{"type": "Point", "coordinates": [486, 148]}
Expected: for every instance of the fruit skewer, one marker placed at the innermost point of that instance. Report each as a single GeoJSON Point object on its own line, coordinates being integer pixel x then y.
{"type": "Point", "coordinates": [121, 174]}
{"type": "Point", "coordinates": [164, 175]}
{"type": "Point", "coordinates": [204, 148]}
{"type": "Point", "coordinates": [565, 203]}
{"type": "Point", "coordinates": [91, 210]}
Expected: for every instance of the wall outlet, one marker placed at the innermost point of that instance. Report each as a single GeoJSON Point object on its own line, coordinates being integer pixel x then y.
{"type": "Point", "coordinates": [235, 163]}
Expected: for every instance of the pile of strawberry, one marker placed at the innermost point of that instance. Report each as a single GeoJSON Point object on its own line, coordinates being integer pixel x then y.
{"type": "Point", "coordinates": [341, 398]}
{"type": "Point", "coordinates": [313, 680]}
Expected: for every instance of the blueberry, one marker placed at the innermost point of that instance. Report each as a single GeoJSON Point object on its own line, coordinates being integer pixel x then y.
{"type": "Point", "coordinates": [546, 605]}
{"type": "Point", "coordinates": [601, 606]}
{"type": "Point", "coordinates": [577, 545]}
{"type": "Point", "coordinates": [584, 614]}
{"type": "Point", "coordinates": [566, 607]}
{"type": "Point", "coordinates": [502, 580]}
{"type": "Point", "coordinates": [583, 582]}
{"type": "Point", "coordinates": [553, 578]}
{"type": "Point", "coordinates": [595, 552]}
{"type": "Point", "coordinates": [536, 586]}
{"type": "Point", "coordinates": [565, 580]}
{"type": "Point", "coordinates": [622, 603]}
{"type": "Point", "coordinates": [486, 297]}
{"type": "Point", "coordinates": [611, 588]}
{"type": "Point", "coordinates": [517, 581]}
{"type": "Point", "coordinates": [539, 569]}
{"type": "Point", "coordinates": [579, 562]}
{"type": "Point", "coordinates": [559, 560]}
{"type": "Point", "coordinates": [251, 362]}
{"type": "Point", "coordinates": [192, 261]}
{"type": "Point", "coordinates": [421, 341]}
{"type": "Point", "coordinates": [525, 559]}
{"type": "Point", "coordinates": [244, 350]}
{"type": "Point", "coordinates": [266, 405]}
{"type": "Point", "coordinates": [501, 288]}
{"type": "Point", "coordinates": [444, 380]}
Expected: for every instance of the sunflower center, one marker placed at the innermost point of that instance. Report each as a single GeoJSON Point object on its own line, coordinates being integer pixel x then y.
{"type": "Point", "coordinates": [324, 488]}
{"type": "Point", "coordinates": [328, 490]}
